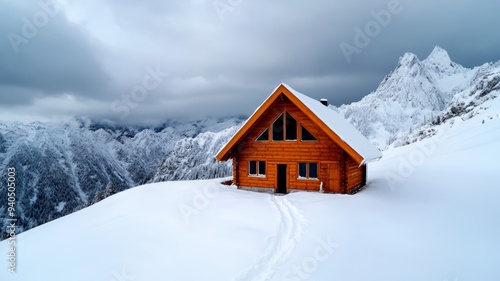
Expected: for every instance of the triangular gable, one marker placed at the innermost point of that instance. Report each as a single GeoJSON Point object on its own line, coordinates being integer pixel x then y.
{"type": "Point", "coordinates": [334, 125]}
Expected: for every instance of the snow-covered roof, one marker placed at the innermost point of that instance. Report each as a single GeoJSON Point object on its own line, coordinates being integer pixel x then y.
{"type": "Point", "coordinates": [340, 129]}
{"type": "Point", "coordinates": [340, 126]}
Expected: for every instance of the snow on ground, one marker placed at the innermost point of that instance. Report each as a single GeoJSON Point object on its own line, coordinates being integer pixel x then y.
{"type": "Point", "coordinates": [431, 212]}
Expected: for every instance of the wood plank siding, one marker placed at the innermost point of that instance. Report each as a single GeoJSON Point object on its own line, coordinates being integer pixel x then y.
{"type": "Point", "coordinates": [337, 171]}
{"type": "Point", "coordinates": [331, 156]}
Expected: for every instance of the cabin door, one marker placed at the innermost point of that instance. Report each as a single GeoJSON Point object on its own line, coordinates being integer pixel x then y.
{"type": "Point", "coordinates": [333, 178]}
{"type": "Point", "coordinates": [281, 178]}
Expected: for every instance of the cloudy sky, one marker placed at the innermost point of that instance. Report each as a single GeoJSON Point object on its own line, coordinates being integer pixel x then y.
{"type": "Point", "coordinates": [141, 62]}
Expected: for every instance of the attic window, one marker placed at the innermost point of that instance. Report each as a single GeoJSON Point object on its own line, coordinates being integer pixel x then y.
{"type": "Point", "coordinates": [278, 128]}
{"type": "Point", "coordinates": [264, 136]}
{"type": "Point", "coordinates": [291, 128]}
{"type": "Point", "coordinates": [305, 135]}
{"type": "Point", "coordinates": [285, 128]}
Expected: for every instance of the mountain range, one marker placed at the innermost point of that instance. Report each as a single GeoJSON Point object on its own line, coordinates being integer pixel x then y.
{"type": "Point", "coordinates": [418, 94]}
{"type": "Point", "coordinates": [63, 167]}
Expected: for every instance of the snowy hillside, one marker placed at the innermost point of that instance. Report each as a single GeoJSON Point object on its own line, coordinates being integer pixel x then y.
{"type": "Point", "coordinates": [430, 212]}
{"type": "Point", "coordinates": [63, 167]}
{"type": "Point", "coordinates": [417, 93]}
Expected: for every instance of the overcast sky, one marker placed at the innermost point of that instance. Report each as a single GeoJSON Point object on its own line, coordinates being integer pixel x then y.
{"type": "Point", "coordinates": [141, 62]}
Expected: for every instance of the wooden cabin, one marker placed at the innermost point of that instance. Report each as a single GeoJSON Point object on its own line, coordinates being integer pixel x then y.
{"type": "Point", "coordinates": [293, 142]}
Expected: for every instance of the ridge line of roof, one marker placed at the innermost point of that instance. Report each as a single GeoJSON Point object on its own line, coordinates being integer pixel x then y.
{"type": "Point", "coordinates": [337, 124]}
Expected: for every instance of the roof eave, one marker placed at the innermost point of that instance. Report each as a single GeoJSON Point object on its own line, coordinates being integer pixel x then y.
{"type": "Point", "coordinates": [224, 153]}
{"type": "Point", "coordinates": [355, 155]}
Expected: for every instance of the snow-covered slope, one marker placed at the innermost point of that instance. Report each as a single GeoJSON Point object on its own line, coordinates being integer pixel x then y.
{"type": "Point", "coordinates": [430, 212]}
{"type": "Point", "coordinates": [63, 167]}
{"type": "Point", "coordinates": [417, 93]}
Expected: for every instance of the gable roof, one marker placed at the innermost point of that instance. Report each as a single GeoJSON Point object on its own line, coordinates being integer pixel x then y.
{"type": "Point", "coordinates": [332, 123]}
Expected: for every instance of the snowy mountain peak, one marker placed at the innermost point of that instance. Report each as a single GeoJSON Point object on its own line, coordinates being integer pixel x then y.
{"type": "Point", "coordinates": [418, 93]}
{"type": "Point", "coordinates": [439, 54]}
{"type": "Point", "coordinates": [408, 60]}
{"type": "Point", "coordinates": [440, 62]}
{"type": "Point", "coordinates": [408, 68]}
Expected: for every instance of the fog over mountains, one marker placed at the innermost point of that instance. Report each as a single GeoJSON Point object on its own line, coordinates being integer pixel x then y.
{"type": "Point", "coordinates": [63, 167]}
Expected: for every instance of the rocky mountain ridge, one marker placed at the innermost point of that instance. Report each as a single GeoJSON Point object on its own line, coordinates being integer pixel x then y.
{"type": "Point", "coordinates": [418, 94]}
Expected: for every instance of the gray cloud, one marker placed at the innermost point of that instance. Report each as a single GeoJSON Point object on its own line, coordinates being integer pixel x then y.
{"type": "Point", "coordinates": [46, 59]}
{"type": "Point", "coordinates": [92, 56]}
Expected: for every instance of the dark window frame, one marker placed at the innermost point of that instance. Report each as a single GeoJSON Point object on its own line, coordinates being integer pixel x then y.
{"type": "Point", "coordinates": [307, 171]}
{"type": "Point", "coordinates": [292, 135]}
{"type": "Point", "coordinates": [266, 131]}
{"type": "Point", "coordinates": [284, 116]}
{"type": "Point", "coordinates": [302, 170]}
{"type": "Point", "coordinates": [282, 130]}
{"type": "Point", "coordinates": [302, 128]}
{"type": "Point", "coordinates": [258, 168]}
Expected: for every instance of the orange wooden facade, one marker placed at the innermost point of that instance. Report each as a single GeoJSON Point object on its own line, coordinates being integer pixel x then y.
{"type": "Point", "coordinates": [337, 171]}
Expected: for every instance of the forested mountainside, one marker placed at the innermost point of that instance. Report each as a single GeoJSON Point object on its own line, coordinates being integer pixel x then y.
{"type": "Point", "coordinates": [63, 167]}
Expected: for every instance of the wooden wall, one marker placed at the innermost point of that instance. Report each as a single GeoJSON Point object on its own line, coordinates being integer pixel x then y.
{"type": "Point", "coordinates": [324, 151]}
{"type": "Point", "coordinates": [354, 174]}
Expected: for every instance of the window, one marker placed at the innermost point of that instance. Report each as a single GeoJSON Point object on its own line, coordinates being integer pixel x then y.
{"type": "Point", "coordinates": [305, 135]}
{"type": "Point", "coordinates": [313, 170]}
{"type": "Point", "coordinates": [291, 128]}
{"type": "Point", "coordinates": [285, 128]}
{"type": "Point", "coordinates": [252, 168]}
{"type": "Point", "coordinates": [262, 168]}
{"type": "Point", "coordinates": [302, 170]}
{"type": "Point", "coordinates": [257, 168]}
{"type": "Point", "coordinates": [264, 136]}
{"type": "Point", "coordinates": [308, 170]}
{"type": "Point", "coordinates": [278, 128]}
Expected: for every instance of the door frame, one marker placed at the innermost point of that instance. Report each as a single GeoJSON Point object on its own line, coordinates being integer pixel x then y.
{"type": "Point", "coordinates": [279, 189]}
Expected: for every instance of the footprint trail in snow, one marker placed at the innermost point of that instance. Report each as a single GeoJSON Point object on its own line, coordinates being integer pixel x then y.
{"type": "Point", "coordinates": [280, 245]}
